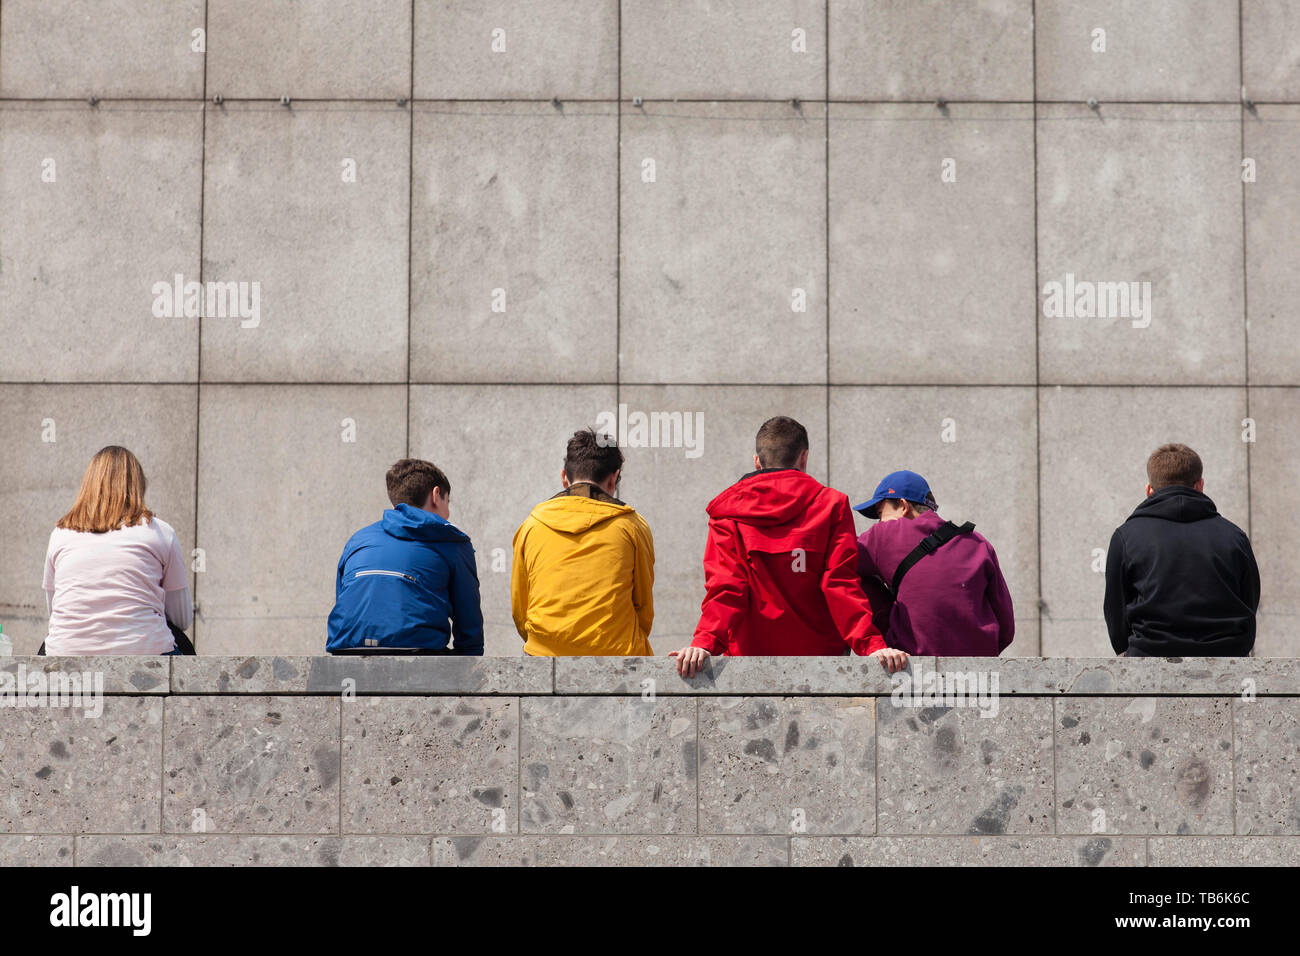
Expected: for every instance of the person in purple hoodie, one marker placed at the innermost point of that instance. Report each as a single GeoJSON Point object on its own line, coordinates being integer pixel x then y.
{"type": "Point", "coordinates": [947, 591]}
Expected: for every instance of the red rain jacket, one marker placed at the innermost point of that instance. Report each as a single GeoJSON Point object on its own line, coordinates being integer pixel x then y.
{"type": "Point", "coordinates": [781, 571]}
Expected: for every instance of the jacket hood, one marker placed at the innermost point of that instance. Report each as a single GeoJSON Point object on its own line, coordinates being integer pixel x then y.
{"type": "Point", "coordinates": [574, 514]}
{"type": "Point", "coordinates": [415, 524]}
{"type": "Point", "coordinates": [1176, 503]}
{"type": "Point", "coordinates": [773, 496]}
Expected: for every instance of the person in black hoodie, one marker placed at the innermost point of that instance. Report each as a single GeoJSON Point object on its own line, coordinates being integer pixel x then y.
{"type": "Point", "coordinates": [1181, 579]}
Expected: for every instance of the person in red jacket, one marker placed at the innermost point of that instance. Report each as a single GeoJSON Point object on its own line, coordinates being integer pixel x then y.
{"type": "Point", "coordinates": [781, 565]}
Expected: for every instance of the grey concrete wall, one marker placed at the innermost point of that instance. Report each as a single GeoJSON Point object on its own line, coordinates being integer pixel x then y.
{"type": "Point", "coordinates": [525, 170]}
{"type": "Point", "coordinates": [757, 761]}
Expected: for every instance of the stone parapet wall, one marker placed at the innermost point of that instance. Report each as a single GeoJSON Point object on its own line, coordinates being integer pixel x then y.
{"type": "Point", "coordinates": [757, 761]}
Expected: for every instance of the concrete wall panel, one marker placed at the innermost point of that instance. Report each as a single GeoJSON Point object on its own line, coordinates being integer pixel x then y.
{"type": "Point", "coordinates": [1150, 50]}
{"type": "Point", "coordinates": [1270, 57]}
{"type": "Point", "coordinates": [672, 486]}
{"type": "Point", "coordinates": [97, 205]}
{"type": "Point", "coordinates": [489, 49]}
{"type": "Point", "coordinates": [932, 245]}
{"type": "Point", "coordinates": [1274, 496]}
{"type": "Point", "coordinates": [975, 446]}
{"type": "Point", "coordinates": [502, 448]}
{"type": "Point", "coordinates": [715, 247]}
{"type": "Point", "coordinates": [51, 433]}
{"type": "Point", "coordinates": [284, 481]}
{"type": "Point", "coordinates": [520, 198]}
{"type": "Point", "coordinates": [1272, 204]}
{"type": "Point", "coordinates": [319, 49]}
{"type": "Point", "coordinates": [736, 49]}
{"type": "Point", "coordinates": [925, 49]}
{"type": "Point", "coordinates": [81, 48]}
{"type": "Point", "coordinates": [328, 252]}
{"type": "Point", "coordinates": [1094, 447]}
{"type": "Point", "coordinates": [1148, 195]}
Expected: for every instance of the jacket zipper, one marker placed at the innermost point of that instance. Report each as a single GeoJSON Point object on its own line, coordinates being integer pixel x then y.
{"type": "Point", "coordinates": [394, 574]}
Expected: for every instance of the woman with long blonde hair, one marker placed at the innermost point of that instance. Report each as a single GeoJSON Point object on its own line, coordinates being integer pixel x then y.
{"type": "Point", "coordinates": [115, 577]}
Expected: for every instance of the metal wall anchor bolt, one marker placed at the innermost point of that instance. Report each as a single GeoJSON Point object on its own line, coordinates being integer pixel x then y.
{"type": "Point", "coordinates": [93, 101]}
{"type": "Point", "coordinates": [401, 101]}
{"type": "Point", "coordinates": [285, 101]}
{"type": "Point", "coordinates": [1093, 104]}
{"type": "Point", "coordinates": [218, 99]}
{"type": "Point", "coordinates": [636, 101]}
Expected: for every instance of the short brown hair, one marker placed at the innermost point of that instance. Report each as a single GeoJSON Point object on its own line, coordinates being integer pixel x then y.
{"type": "Point", "coordinates": [111, 494]}
{"type": "Point", "coordinates": [1173, 464]}
{"type": "Point", "coordinates": [411, 481]}
{"type": "Point", "coordinates": [591, 457]}
{"type": "Point", "coordinates": [779, 443]}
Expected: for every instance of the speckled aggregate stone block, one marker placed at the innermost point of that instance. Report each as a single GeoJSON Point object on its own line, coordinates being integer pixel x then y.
{"type": "Point", "coordinates": [948, 770]}
{"type": "Point", "coordinates": [118, 675]}
{"type": "Point", "coordinates": [723, 675]}
{"type": "Point", "coordinates": [232, 850]}
{"type": "Point", "coordinates": [32, 850]}
{"type": "Point", "coordinates": [1127, 676]}
{"type": "Point", "coordinates": [1144, 765]}
{"type": "Point", "coordinates": [252, 765]}
{"type": "Point", "coordinates": [1224, 851]}
{"type": "Point", "coordinates": [1266, 742]}
{"type": "Point", "coordinates": [431, 675]}
{"type": "Point", "coordinates": [968, 851]}
{"type": "Point", "coordinates": [608, 765]}
{"type": "Point", "coordinates": [610, 851]}
{"type": "Point", "coordinates": [64, 772]}
{"type": "Point", "coordinates": [787, 765]}
{"type": "Point", "coordinates": [239, 675]}
{"type": "Point", "coordinates": [430, 765]}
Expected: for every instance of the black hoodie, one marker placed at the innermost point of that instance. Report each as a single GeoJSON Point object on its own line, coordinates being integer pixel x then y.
{"type": "Point", "coordinates": [1181, 580]}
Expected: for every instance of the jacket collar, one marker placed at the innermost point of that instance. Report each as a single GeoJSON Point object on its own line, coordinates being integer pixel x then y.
{"type": "Point", "coordinates": [587, 489]}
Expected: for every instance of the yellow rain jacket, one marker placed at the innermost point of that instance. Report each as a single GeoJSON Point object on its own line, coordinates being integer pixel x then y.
{"type": "Point", "coordinates": [583, 572]}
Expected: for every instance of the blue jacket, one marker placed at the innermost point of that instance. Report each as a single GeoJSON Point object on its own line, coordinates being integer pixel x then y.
{"type": "Point", "coordinates": [407, 581]}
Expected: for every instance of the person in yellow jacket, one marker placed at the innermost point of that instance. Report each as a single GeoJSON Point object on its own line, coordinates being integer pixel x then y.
{"type": "Point", "coordinates": [584, 563]}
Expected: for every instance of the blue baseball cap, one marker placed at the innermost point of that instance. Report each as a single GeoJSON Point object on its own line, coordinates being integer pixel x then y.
{"type": "Point", "coordinates": [906, 485]}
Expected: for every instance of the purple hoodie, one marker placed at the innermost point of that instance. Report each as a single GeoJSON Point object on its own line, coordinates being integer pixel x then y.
{"type": "Point", "coordinates": [953, 602]}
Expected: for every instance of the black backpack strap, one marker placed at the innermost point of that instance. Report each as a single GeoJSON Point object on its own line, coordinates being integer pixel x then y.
{"type": "Point", "coordinates": [932, 543]}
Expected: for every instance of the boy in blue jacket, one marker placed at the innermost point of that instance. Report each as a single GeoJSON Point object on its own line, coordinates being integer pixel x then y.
{"type": "Point", "coordinates": [408, 582]}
